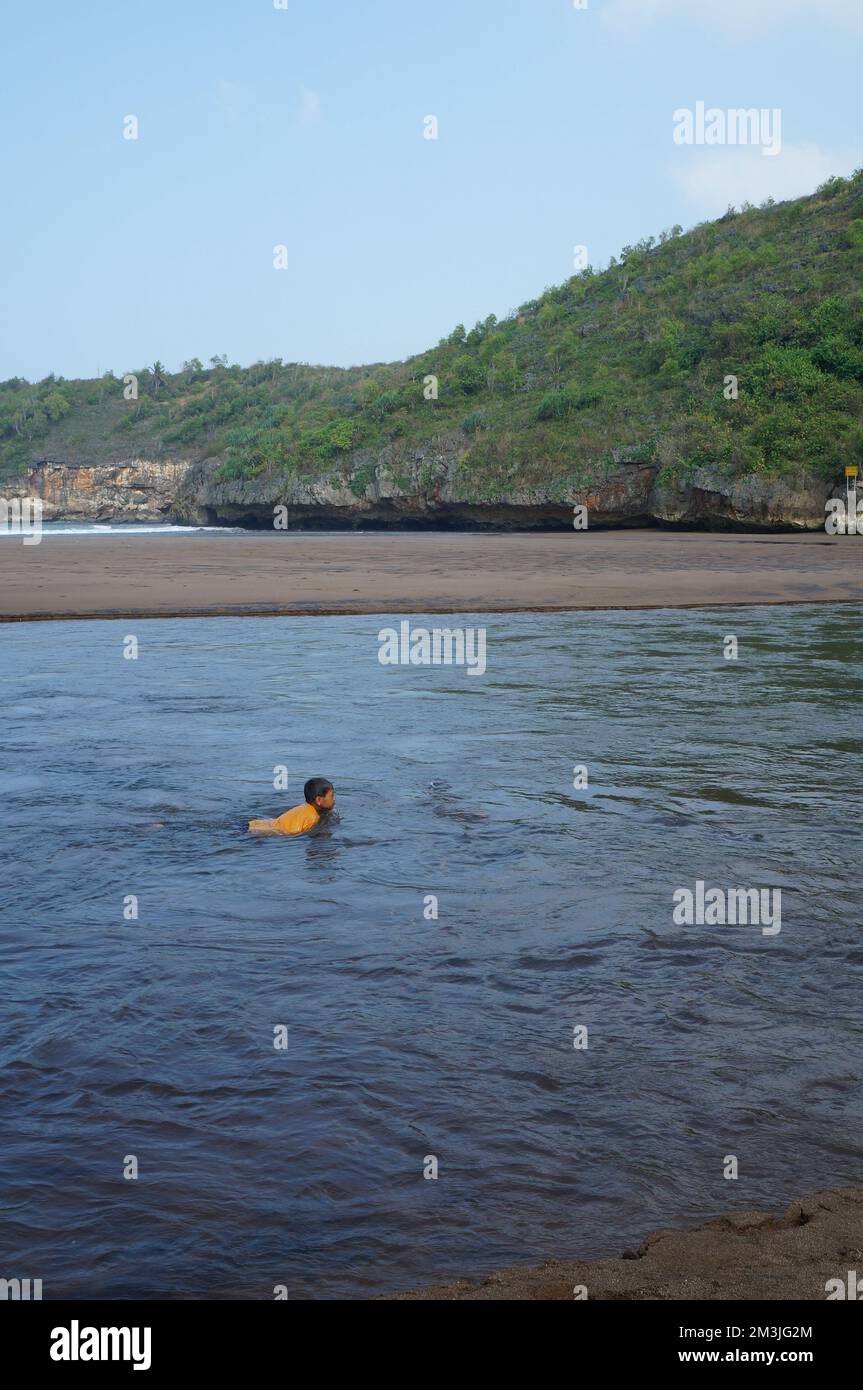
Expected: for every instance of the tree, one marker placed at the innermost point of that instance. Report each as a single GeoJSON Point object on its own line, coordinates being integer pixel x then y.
{"type": "Point", "coordinates": [56, 406]}
{"type": "Point", "coordinates": [108, 382]}
{"type": "Point", "coordinates": [554, 364]}
{"type": "Point", "coordinates": [469, 375]}
{"type": "Point", "coordinates": [503, 374]}
{"type": "Point", "coordinates": [549, 314]}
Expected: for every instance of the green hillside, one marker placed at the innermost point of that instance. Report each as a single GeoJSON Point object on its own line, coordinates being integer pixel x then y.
{"type": "Point", "coordinates": [633, 357]}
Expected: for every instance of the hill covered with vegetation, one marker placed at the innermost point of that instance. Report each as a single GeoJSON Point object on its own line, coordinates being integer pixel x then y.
{"type": "Point", "coordinates": [634, 359]}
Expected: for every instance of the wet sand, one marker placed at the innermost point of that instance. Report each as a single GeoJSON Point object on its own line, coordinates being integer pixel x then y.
{"type": "Point", "coordinates": [746, 1255]}
{"type": "Point", "coordinates": [258, 574]}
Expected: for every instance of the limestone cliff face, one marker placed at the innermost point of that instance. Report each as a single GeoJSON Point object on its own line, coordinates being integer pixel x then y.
{"type": "Point", "coordinates": [423, 490]}
{"type": "Point", "coordinates": [129, 490]}
{"type": "Point", "coordinates": [709, 499]}
{"type": "Point", "coordinates": [429, 486]}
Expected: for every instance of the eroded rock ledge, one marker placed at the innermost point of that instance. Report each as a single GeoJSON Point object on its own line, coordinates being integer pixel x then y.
{"type": "Point", "coordinates": [423, 489]}
{"type": "Point", "coordinates": [745, 1255]}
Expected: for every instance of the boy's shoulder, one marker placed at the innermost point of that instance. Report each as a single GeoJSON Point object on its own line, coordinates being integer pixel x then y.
{"type": "Point", "coordinates": [298, 818]}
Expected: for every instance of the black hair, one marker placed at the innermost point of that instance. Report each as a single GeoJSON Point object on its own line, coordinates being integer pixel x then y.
{"type": "Point", "coordinates": [316, 786]}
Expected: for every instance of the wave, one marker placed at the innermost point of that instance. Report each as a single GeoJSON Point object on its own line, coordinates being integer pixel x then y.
{"type": "Point", "coordinates": [96, 528]}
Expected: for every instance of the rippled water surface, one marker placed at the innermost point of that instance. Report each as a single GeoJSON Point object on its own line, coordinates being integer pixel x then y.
{"type": "Point", "coordinates": [411, 1037]}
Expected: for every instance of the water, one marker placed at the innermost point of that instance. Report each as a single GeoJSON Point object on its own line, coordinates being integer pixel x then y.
{"type": "Point", "coordinates": [411, 1037]}
{"type": "Point", "coordinates": [99, 528]}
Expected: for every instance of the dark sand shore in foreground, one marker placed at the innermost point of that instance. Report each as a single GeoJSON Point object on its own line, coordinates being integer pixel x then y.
{"type": "Point", "coordinates": [746, 1255]}
{"type": "Point", "coordinates": [206, 574]}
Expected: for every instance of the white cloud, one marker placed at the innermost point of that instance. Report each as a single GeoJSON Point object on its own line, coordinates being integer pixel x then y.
{"type": "Point", "coordinates": [734, 18]}
{"type": "Point", "coordinates": [713, 177]}
{"type": "Point", "coordinates": [310, 108]}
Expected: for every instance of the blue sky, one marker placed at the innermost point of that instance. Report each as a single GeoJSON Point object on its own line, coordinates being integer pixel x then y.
{"type": "Point", "coordinates": [304, 127]}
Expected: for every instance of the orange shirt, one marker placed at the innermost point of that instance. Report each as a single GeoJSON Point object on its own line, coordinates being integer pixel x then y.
{"type": "Point", "coordinates": [293, 822]}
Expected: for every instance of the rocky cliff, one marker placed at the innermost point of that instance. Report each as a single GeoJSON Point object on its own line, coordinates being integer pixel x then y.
{"type": "Point", "coordinates": [131, 489]}
{"type": "Point", "coordinates": [420, 488]}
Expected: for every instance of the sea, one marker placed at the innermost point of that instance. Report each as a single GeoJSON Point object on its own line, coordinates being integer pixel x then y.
{"type": "Point", "coordinates": [460, 1028]}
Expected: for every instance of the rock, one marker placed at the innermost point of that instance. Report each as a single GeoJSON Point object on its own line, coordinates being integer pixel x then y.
{"type": "Point", "coordinates": [710, 498]}
{"type": "Point", "coordinates": [129, 490]}
{"type": "Point", "coordinates": [429, 486]}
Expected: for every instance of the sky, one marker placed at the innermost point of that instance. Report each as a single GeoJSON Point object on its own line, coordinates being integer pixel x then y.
{"type": "Point", "coordinates": [304, 127]}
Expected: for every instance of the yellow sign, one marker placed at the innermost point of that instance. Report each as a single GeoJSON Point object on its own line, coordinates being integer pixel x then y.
{"type": "Point", "coordinates": [851, 470]}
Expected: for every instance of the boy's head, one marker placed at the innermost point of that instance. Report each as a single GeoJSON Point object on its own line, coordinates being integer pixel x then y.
{"type": "Point", "coordinates": [320, 793]}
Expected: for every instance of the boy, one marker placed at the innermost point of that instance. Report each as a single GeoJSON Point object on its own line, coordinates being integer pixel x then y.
{"type": "Point", "coordinates": [320, 800]}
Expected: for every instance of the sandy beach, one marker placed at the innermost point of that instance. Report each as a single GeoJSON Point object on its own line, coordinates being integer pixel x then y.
{"type": "Point", "coordinates": [744, 1255]}
{"type": "Point", "coordinates": [206, 574]}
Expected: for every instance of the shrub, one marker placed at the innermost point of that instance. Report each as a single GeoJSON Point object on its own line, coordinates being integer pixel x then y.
{"type": "Point", "coordinates": [830, 187]}
{"type": "Point", "coordinates": [855, 234]}
{"type": "Point", "coordinates": [555, 405]}
{"type": "Point", "coordinates": [386, 404]}
{"type": "Point", "coordinates": [469, 374]}
{"type": "Point", "coordinates": [840, 357]}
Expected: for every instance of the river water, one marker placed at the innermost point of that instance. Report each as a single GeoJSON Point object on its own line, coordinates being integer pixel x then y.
{"type": "Point", "coordinates": [410, 1036]}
